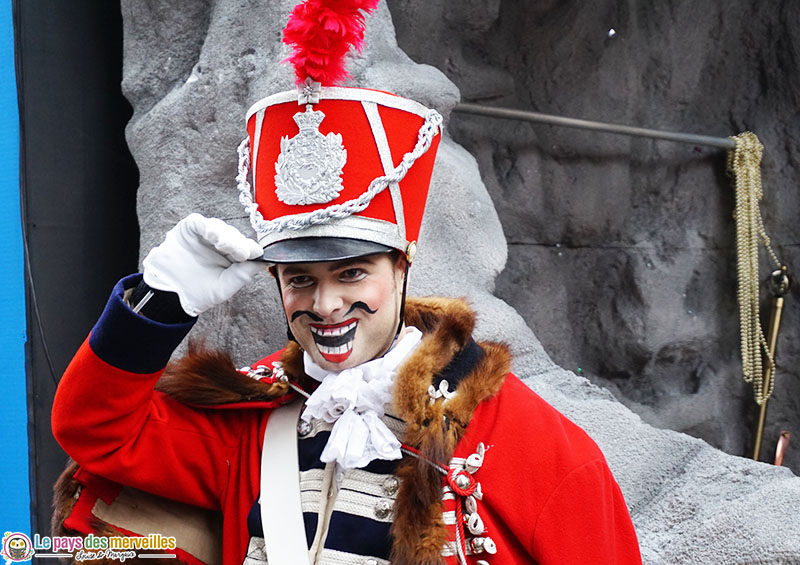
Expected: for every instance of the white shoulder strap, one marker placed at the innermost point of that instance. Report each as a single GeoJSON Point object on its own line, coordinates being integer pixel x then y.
{"type": "Point", "coordinates": [281, 514]}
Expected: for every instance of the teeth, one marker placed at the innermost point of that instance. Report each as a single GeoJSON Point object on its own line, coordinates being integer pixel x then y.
{"type": "Point", "coordinates": [335, 350]}
{"type": "Point", "coordinates": [333, 332]}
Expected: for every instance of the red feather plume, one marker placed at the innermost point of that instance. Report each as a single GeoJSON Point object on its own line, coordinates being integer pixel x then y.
{"type": "Point", "coordinates": [321, 33]}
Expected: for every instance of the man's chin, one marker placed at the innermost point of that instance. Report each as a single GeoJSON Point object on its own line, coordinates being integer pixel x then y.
{"type": "Point", "coordinates": [336, 367]}
{"type": "Point", "coordinates": [336, 358]}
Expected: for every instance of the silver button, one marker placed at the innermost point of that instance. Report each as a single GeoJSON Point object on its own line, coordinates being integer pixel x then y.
{"type": "Point", "coordinates": [383, 508]}
{"type": "Point", "coordinates": [339, 477]}
{"type": "Point", "coordinates": [303, 428]}
{"type": "Point", "coordinates": [479, 545]}
{"type": "Point", "coordinates": [475, 525]}
{"type": "Point", "coordinates": [390, 486]}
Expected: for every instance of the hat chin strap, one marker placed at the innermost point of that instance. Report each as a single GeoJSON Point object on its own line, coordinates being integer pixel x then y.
{"type": "Point", "coordinates": [289, 334]}
{"type": "Point", "coordinates": [402, 307]}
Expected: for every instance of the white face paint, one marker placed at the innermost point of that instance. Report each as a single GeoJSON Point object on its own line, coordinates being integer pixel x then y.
{"type": "Point", "coordinates": [343, 313]}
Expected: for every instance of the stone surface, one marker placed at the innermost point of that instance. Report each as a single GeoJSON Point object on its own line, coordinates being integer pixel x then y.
{"type": "Point", "coordinates": [621, 250]}
{"type": "Point", "coordinates": [634, 229]}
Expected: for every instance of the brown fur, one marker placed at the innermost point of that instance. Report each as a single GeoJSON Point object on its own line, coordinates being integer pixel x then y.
{"type": "Point", "coordinates": [65, 495]}
{"type": "Point", "coordinates": [292, 360]}
{"type": "Point", "coordinates": [435, 429]}
{"type": "Point", "coordinates": [208, 378]}
{"type": "Point", "coordinates": [63, 499]}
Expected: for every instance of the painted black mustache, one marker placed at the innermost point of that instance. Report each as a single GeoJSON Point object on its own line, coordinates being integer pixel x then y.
{"type": "Point", "coordinates": [363, 306]}
{"type": "Point", "coordinates": [308, 313]}
{"type": "Point", "coordinates": [358, 304]}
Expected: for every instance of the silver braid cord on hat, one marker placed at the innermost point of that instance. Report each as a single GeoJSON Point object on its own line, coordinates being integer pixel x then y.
{"type": "Point", "coordinates": [429, 128]}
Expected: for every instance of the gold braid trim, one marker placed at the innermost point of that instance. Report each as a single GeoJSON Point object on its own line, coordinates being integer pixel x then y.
{"type": "Point", "coordinates": [744, 163]}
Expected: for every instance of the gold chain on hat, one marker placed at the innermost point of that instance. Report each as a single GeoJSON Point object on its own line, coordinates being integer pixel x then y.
{"type": "Point", "coordinates": [744, 163]}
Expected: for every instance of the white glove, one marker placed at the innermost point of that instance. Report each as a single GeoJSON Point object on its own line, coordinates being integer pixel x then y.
{"type": "Point", "coordinates": [204, 260]}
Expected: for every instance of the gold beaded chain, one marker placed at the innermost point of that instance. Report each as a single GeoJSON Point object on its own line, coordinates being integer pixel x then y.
{"type": "Point", "coordinates": [744, 163]}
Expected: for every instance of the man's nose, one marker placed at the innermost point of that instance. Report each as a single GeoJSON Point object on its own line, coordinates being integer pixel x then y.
{"type": "Point", "coordinates": [327, 300]}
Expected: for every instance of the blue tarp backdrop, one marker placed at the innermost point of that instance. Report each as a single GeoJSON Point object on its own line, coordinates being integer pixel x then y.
{"type": "Point", "coordinates": [15, 494]}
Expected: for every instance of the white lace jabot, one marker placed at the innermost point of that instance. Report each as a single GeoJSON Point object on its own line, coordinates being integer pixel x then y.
{"type": "Point", "coordinates": [353, 400]}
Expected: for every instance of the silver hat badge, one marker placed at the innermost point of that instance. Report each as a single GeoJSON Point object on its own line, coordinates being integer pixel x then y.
{"type": "Point", "coordinates": [309, 167]}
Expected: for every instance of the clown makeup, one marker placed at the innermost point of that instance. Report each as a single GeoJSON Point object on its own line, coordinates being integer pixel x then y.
{"type": "Point", "coordinates": [343, 313]}
{"type": "Point", "coordinates": [334, 341]}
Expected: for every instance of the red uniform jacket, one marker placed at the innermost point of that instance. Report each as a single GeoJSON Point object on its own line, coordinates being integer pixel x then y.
{"type": "Point", "coordinates": [548, 495]}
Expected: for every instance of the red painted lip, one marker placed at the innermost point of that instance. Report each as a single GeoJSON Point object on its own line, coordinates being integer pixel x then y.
{"type": "Point", "coordinates": [336, 357]}
{"type": "Point", "coordinates": [331, 326]}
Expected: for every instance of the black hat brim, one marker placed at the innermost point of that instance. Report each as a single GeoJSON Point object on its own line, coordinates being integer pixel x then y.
{"type": "Point", "coordinates": [317, 249]}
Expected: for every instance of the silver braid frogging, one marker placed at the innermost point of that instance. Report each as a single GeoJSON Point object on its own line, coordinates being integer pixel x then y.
{"type": "Point", "coordinates": [433, 120]}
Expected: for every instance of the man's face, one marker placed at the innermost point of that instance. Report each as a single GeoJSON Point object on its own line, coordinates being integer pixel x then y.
{"type": "Point", "coordinates": [343, 313]}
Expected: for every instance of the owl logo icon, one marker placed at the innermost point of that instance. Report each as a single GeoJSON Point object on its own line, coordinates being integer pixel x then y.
{"type": "Point", "coordinates": [17, 547]}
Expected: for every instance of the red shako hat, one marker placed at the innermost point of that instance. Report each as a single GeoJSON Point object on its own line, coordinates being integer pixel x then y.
{"type": "Point", "coordinates": [338, 172]}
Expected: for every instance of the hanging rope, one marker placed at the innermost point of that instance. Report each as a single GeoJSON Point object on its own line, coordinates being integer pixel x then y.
{"type": "Point", "coordinates": [744, 163]}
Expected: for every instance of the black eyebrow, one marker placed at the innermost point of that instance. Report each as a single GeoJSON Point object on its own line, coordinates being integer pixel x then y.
{"type": "Point", "coordinates": [290, 270]}
{"type": "Point", "coordinates": [346, 263]}
{"type": "Point", "coordinates": [293, 269]}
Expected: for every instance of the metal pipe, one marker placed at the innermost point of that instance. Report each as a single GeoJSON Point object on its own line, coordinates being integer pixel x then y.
{"type": "Point", "coordinates": [780, 283]}
{"type": "Point", "coordinates": [783, 445]}
{"type": "Point", "coordinates": [772, 342]}
{"type": "Point", "coordinates": [508, 113]}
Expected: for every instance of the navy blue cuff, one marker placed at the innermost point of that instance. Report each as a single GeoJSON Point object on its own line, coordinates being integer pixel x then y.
{"type": "Point", "coordinates": [132, 342]}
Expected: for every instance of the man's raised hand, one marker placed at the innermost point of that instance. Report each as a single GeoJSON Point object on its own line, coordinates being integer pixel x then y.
{"type": "Point", "coordinates": [204, 260]}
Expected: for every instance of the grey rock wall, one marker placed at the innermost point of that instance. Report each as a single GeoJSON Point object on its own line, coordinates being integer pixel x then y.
{"type": "Point", "coordinates": [621, 250]}
{"type": "Point", "coordinates": [192, 72]}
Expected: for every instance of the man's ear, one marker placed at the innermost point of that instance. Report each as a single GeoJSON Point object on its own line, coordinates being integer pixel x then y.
{"type": "Point", "coordinates": [401, 268]}
{"type": "Point", "coordinates": [398, 260]}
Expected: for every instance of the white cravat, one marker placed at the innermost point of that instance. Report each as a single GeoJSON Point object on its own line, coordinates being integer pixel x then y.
{"type": "Point", "coordinates": [353, 400]}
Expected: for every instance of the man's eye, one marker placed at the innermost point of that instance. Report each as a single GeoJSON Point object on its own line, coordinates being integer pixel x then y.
{"type": "Point", "coordinates": [352, 275]}
{"type": "Point", "coordinates": [300, 282]}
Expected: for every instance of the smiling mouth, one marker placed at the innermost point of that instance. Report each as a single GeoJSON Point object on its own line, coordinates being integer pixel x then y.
{"type": "Point", "coordinates": [334, 342]}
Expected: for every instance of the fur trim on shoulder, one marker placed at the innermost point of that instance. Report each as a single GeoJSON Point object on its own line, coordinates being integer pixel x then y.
{"type": "Point", "coordinates": [206, 377]}
{"type": "Point", "coordinates": [65, 494]}
{"type": "Point", "coordinates": [446, 325]}
{"type": "Point", "coordinates": [435, 428]}
{"type": "Point", "coordinates": [292, 359]}
{"type": "Point", "coordinates": [454, 316]}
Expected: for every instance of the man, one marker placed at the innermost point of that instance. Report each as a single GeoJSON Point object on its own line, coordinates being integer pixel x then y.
{"type": "Point", "coordinates": [381, 433]}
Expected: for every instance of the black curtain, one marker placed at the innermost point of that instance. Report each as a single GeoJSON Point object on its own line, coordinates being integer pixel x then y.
{"type": "Point", "coordinates": [78, 191]}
